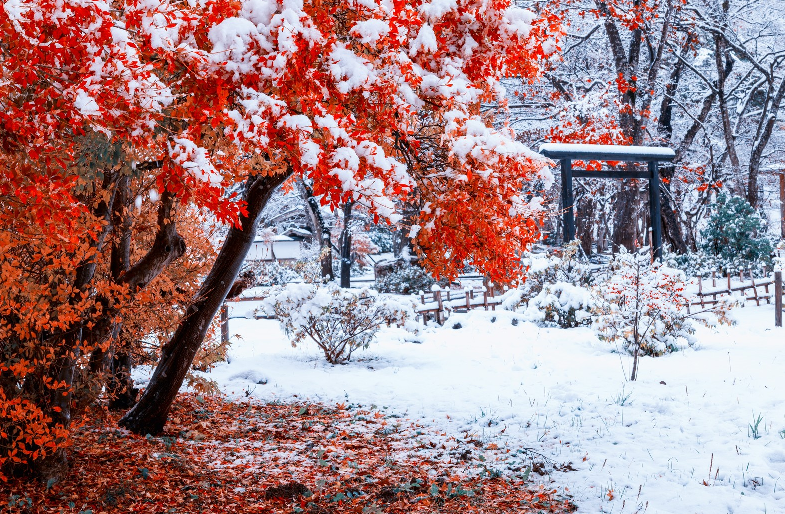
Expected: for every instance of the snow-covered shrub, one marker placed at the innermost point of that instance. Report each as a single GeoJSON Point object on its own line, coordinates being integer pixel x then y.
{"type": "Point", "coordinates": [405, 278]}
{"type": "Point", "coordinates": [643, 307]}
{"type": "Point", "coordinates": [694, 264]}
{"type": "Point", "coordinates": [381, 236]}
{"type": "Point", "coordinates": [310, 270]}
{"type": "Point", "coordinates": [735, 236]}
{"type": "Point", "coordinates": [338, 320]}
{"type": "Point", "coordinates": [779, 258]}
{"type": "Point", "coordinates": [570, 267]}
{"type": "Point", "coordinates": [272, 273]}
{"type": "Point", "coordinates": [561, 305]}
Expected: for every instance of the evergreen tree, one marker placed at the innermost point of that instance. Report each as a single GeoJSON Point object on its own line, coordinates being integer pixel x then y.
{"type": "Point", "coordinates": [735, 235]}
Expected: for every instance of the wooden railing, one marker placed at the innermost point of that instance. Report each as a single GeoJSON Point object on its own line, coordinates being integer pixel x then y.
{"type": "Point", "coordinates": [728, 287]}
{"type": "Point", "coordinates": [438, 303]}
{"type": "Point", "coordinates": [753, 285]}
{"type": "Point", "coordinates": [442, 301]}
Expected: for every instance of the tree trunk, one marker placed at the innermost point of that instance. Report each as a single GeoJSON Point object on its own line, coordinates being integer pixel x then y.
{"type": "Point", "coordinates": [782, 203]}
{"type": "Point", "coordinates": [346, 245]}
{"type": "Point", "coordinates": [321, 231]}
{"type": "Point", "coordinates": [167, 247]}
{"type": "Point", "coordinates": [150, 413]}
{"type": "Point", "coordinates": [730, 143]}
{"type": "Point", "coordinates": [54, 466]}
{"type": "Point", "coordinates": [768, 119]}
{"type": "Point", "coordinates": [121, 386]}
{"type": "Point", "coordinates": [625, 227]}
{"type": "Point", "coordinates": [584, 223]}
{"type": "Point", "coordinates": [674, 235]}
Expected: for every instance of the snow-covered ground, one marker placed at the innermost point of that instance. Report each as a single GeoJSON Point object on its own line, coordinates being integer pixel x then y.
{"type": "Point", "coordinates": [676, 441]}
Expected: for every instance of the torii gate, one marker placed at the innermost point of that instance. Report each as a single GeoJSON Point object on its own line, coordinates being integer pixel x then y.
{"type": "Point", "coordinates": [651, 155]}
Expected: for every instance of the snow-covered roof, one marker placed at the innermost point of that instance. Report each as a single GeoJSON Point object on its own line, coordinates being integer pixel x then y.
{"type": "Point", "coordinates": [607, 152]}
{"type": "Point", "coordinates": [274, 238]}
{"type": "Point", "coordinates": [298, 232]}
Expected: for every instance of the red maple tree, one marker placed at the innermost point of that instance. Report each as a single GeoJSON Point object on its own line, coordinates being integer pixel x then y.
{"type": "Point", "coordinates": [373, 102]}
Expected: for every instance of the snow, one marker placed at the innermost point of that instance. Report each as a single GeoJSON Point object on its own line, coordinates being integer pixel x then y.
{"type": "Point", "coordinates": [86, 104]}
{"type": "Point", "coordinates": [231, 41]}
{"type": "Point", "coordinates": [564, 393]}
{"type": "Point", "coordinates": [195, 160]}
{"type": "Point", "coordinates": [370, 31]}
{"type": "Point", "coordinates": [259, 11]}
{"type": "Point", "coordinates": [349, 70]}
{"type": "Point", "coordinates": [424, 42]}
{"type": "Point", "coordinates": [520, 21]}
{"type": "Point", "coordinates": [648, 151]}
{"type": "Point", "coordinates": [435, 9]}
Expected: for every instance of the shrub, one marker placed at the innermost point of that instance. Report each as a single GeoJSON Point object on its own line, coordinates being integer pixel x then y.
{"type": "Point", "coordinates": [570, 267]}
{"type": "Point", "coordinates": [273, 273]}
{"type": "Point", "coordinates": [643, 306]}
{"type": "Point", "coordinates": [339, 321]}
{"type": "Point", "coordinates": [382, 237]}
{"type": "Point", "coordinates": [561, 305]}
{"type": "Point", "coordinates": [735, 236]}
{"type": "Point", "coordinates": [405, 278]}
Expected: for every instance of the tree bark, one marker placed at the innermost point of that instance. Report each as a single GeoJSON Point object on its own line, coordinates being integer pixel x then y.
{"type": "Point", "coordinates": [625, 227]}
{"type": "Point", "coordinates": [150, 413]}
{"type": "Point", "coordinates": [321, 231]}
{"type": "Point", "coordinates": [63, 369]}
{"type": "Point", "coordinates": [346, 245]}
{"type": "Point", "coordinates": [730, 143]}
{"type": "Point", "coordinates": [584, 225]}
{"type": "Point", "coordinates": [768, 118]}
{"type": "Point", "coordinates": [167, 247]}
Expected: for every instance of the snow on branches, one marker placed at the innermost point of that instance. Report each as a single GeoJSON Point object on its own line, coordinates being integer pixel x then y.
{"type": "Point", "coordinates": [339, 321]}
{"type": "Point", "coordinates": [643, 306]}
{"type": "Point", "coordinates": [376, 102]}
{"type": "Point", "coordinates": [339, 91]}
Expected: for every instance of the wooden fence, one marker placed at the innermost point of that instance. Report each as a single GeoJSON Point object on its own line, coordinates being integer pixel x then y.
{"type": "Point", "coordinates": [439, 302]}
{"type": "Point", "coordinates": [749, 287]}
{"type": "Point", "coordinates": [750, 291]}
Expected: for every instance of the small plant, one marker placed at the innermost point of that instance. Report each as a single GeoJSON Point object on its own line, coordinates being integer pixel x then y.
{"type": "Point", "coordinates": [561, 305]}
{"type": "Point", "coordinates": [273, 273]}
{"type": "Point", "coordinates": [570, 267]}
{"type": "Point", "coordinates": [621, 398]}
{"type": "Point", "coordinates": [643, 306]}
{"type": "Point", "coordinates": [339, 321]}
{"type": "Point", "coordinates": [754, 427]}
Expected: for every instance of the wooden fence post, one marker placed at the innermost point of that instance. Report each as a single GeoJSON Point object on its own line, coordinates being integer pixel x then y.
{"type": "Point", "coordinates": [224, 324]}
{"type": "Point", "coordinates": [777, 298]}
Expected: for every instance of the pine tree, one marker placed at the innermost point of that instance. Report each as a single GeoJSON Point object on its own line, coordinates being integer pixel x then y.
{"type": "Point", "coordinates": [735, 235]}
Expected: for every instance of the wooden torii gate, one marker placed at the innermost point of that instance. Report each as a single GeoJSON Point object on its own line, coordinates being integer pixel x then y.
{"type": "Point", "coordinates": [652, 155]}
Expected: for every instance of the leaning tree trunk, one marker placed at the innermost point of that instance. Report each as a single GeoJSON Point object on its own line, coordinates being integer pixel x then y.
{"type": "Point", "coordinates": [346, 245]}
{"type": "Point", "coordinates": [149, 415]}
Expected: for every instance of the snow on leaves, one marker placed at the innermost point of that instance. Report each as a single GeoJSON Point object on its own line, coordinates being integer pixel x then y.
{"type": "Point", "coordinates": [376, 102]}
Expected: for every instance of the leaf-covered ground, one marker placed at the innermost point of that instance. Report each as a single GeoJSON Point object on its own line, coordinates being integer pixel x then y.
{"type": "Point", "coordinates": [220, 456]}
